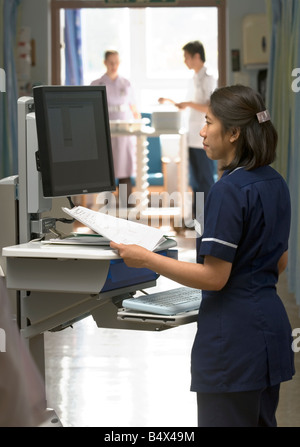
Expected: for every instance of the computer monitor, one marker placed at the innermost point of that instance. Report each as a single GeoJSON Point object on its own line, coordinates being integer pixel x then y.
{"type": "Point", "coordinates": [74, 144]}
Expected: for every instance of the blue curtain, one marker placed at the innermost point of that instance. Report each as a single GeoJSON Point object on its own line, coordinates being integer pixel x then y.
{"type": "Point", "coordinates": [284, 105]}
{"type": "Point", "coordinates": [8, 99]}
{"type": "Point", "coordinates": [73, 47]}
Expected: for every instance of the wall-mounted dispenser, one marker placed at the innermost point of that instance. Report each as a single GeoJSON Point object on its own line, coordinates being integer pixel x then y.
{"type": "Point", "coordinates": [256, 41]}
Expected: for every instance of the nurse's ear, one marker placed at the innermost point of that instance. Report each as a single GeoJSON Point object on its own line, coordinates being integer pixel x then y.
{"type": "Point", "coordinates": [235, 133]}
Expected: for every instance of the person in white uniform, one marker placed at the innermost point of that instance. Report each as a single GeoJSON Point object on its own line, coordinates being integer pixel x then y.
{"type": "Point", "coordinates": [121, 106]}
{"type": "Point", "coordinates": [203, 84]}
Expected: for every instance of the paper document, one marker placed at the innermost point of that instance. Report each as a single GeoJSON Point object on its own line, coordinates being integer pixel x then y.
{"type": "Point", "coordinates": [116, 229]}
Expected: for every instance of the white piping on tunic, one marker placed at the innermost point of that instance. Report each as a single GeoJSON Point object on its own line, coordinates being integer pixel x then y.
{"type": "Point", "coordinates": [239, 167]}
{"type": "Point", "coordinates": [212, 239]}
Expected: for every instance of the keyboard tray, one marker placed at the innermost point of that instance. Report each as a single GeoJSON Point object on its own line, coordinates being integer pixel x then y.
{"type": "Point", "coordinates": [168, 302]}
{"type": "Point", "coordinates": [161, 320]}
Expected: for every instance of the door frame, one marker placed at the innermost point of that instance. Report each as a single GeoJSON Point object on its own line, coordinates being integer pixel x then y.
{"type": "Point", "coordinates": [57, 5]}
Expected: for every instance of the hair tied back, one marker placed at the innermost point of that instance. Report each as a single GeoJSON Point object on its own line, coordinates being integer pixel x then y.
{"type": "Point", "coordinates": [263, 116]}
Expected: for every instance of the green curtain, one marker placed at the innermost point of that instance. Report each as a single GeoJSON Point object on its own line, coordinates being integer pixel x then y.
{"type": "Point", "coordinates": [8, 99]}
{"type": "Point", "coordinates": [284, 105]}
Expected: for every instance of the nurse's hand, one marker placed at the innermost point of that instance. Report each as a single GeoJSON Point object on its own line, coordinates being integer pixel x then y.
{"type": "Point", "coordinates": [133, 255]}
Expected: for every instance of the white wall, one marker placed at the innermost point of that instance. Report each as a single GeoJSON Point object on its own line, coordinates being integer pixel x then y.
{"type": "Point", "coordinates": [236, 10]}
{"type": "Point", "coordinates": [36, 15]}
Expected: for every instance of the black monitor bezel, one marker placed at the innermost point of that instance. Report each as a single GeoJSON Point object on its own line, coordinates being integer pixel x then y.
{"type": "Point", "coordinates": [44, 160]}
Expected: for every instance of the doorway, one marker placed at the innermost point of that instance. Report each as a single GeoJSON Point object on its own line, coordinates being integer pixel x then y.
{"type": "Point", "coordinates": [151, 56]}
{"type": "Point", "coordinates": [149, 47]}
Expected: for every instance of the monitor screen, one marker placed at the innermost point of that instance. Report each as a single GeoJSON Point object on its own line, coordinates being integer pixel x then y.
{"type": "Point", "coordinates": [74, 154]}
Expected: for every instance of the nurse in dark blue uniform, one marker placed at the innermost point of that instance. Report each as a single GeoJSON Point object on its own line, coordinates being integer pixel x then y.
{"type": "Point", "coordinates": [244, 341]}
{"type": "Point", "coordinates": [243, 346]}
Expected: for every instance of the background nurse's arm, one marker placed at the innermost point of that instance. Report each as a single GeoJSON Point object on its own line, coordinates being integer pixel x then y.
{"type": "Point", "coordinates": [135, 111]}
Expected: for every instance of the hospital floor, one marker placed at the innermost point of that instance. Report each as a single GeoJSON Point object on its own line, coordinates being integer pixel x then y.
{"type": "Point", "coordinates": [99, 377]}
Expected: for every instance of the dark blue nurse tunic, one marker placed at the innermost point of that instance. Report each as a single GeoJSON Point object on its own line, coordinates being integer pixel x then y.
{"type": "Point", "coordinates": [244, 339]}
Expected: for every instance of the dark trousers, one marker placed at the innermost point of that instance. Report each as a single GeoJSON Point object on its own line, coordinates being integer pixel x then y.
{"type": "Point", "coordinates": [244, 409]}
{"type": "Point", "coordinates": [201, 170]}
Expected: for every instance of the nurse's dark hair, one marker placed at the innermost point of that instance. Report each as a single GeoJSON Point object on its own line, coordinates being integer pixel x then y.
{"type": "Point", "coordinates": [195, 47]}
{"type": "Point", "coordinates": [236, 107]}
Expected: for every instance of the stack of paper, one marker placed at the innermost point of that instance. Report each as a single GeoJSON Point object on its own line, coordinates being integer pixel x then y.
{"type": "Point", "coordinates": [116, 229]}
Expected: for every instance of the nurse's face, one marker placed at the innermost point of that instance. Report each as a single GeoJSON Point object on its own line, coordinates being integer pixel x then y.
{"type": "Point", "coordinates": [112, 65]}
{"type": "Point", "coordinates": [217, 144]}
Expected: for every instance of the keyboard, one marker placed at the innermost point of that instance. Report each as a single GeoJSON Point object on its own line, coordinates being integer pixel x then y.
{"type": "Point", "coordinates": [171, 302]}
